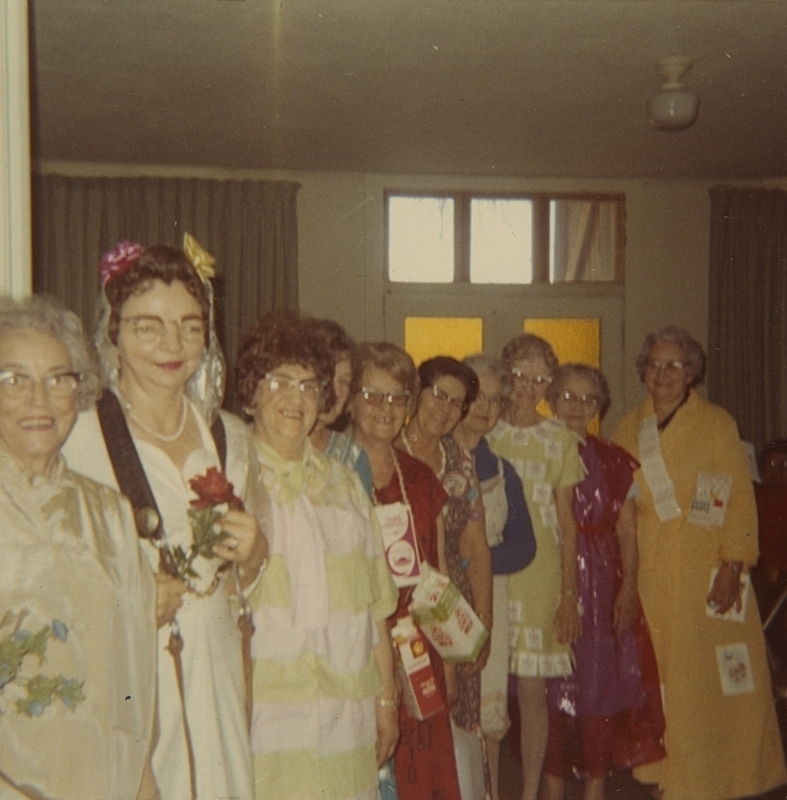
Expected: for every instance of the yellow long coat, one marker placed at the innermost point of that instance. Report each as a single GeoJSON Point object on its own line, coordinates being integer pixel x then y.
{"type": "Point", "coordinates": [719, 745]}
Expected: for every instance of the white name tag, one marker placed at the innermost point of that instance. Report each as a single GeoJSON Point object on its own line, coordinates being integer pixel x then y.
{"type": "Point", "coordinates": [710, 500]}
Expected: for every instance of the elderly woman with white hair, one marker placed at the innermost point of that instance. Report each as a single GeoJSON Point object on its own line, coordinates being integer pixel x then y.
{"type": "Point", "coordinates": [77, 621]}
{"type": "Point", "coordinates": [697, 536]}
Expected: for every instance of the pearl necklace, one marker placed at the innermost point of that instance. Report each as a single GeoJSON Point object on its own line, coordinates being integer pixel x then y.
{"type": "Point", "coordinates": [162, 437]}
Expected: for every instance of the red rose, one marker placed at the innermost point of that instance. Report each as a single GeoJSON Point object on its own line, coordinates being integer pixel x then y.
{"type": "Point", "coordinates": [213, 489]}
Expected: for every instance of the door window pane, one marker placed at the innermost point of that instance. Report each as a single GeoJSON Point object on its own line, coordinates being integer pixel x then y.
{"type": "Point", "coordinates": [584, 236]}
{"type": "Point", "coordinates": [425, 337]}
{"type": "Point", "coordinates": [573, 340]}
{"type": "Point", "coordinates": [421, 239]}
{"type": "Point", "coordinates": [501, 248]}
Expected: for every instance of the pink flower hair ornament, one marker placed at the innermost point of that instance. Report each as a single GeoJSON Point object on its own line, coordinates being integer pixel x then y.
{"type": "Point", "coordinates": [118, 260]}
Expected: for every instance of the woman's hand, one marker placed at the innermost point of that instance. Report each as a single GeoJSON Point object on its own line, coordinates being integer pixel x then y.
{"type": "Point", "coordinates": [169, 597]}
{"type": "Point", "coordinates": [568, 624]}
{"type": "Point", "coordinates": [245, 544]}
{"type": "Point", "coordinates": [726, 589]}
{"type": "Point", "coordinates": [387, 713]}
{"type": "Point", "coordinates": [471, 669]}
{"type": "Point", "coordinates": [451, 684]}
{"type": "Point", "coordinates": [624, 611]}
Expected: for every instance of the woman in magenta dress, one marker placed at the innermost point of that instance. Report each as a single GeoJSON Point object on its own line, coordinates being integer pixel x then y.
{"type": "Point", "coordinates": [611, 701]}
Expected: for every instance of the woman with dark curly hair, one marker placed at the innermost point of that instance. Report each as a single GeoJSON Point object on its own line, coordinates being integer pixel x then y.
{"type": "Point", "coordinates": [154, 431]}
{"type": "Point", "coordinates": [448, 389]}
{"type": "Point", "coordinates": [325, 695]}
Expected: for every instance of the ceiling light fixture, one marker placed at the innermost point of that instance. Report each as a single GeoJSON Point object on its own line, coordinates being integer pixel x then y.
{"type": "Point", "coordinates": [673, 107]}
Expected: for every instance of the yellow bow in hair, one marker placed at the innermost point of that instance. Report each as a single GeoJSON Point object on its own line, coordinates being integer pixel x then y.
{"type": "Point", "coordinates": [201, 260]}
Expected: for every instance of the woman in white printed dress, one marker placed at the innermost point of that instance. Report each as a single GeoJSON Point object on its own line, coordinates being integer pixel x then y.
{"type": "Point", "coordinates": [165, 375]}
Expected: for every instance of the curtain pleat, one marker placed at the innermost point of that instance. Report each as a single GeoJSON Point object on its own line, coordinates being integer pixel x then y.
{"type": "Point", "coordinates": [250, 227]}
{"type": "Point", "coordinates": [747, 331]}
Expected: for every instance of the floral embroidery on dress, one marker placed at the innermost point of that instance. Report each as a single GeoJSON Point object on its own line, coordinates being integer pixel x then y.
{"type": "Point", "coordinates": [19, 649]}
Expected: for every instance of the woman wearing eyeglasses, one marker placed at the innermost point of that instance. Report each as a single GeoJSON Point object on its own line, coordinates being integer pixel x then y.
{"type": "Point", "coordinates": [327, 434]}
{"type": "Point", "coordinates": [509, 533]}
{"type": "Point", "coordinates": [325, 696]}
{"type": "Point", "coordinates": [611, 702]}
{"type": "Point", "coordinates": [697, 536]}
{"type": "Point", "coordinates": [543, 602]}
{"type": "Point", "coordinates": [77, 630]}
{"type": "Point", "coordinates": [448, 387]}
{"type": "Point", "coordinates": [155, 429]}
{"type": "Point", "coordinates": [407, 494]}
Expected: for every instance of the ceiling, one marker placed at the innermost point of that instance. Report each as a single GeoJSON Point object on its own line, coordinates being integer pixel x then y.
{"type": "Point", "coordinates": [537, 88]}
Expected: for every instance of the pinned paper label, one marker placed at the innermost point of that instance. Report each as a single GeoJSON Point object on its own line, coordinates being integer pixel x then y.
{"type": "Point", "coordinates": [735, 669]}
{"type": "Point", "coordinates": [710, 500]}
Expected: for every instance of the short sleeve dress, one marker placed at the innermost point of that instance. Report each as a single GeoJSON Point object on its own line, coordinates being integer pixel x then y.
{"type": "Point", "coordinates": [546, 458]}
{"type": "Point", "coordinates": [612, 699]}
{"type": "Point", "coordinates": [315, 608]}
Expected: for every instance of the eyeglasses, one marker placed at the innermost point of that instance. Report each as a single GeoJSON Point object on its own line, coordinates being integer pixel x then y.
{"type": "Point", "coordinates": [308, 387]}
{"type": "Point", "coordinates": [16, 385]}
{"type": "Point", "coordinates": [587, 400]}
{"type": "Point", "coordinates": [494, 400]}
{"type": "Point", "coordinates": [151, 330]}
{"type": "Point", "coordinates": [446, 399]}
{"type": "Point", "coordinates": [539, 380]}
{"type": "Point", "coordinates": [376, 397]}
{"type": "Point", "coordinates": [670, 367]}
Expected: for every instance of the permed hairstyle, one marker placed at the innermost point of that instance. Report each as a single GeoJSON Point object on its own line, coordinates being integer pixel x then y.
{"type": "Point", "coordinates": [157, 263]}
{"type": "Point", "coordinates": [336, 339]}
{"type": "Point", "coordinates": [694, 355]}
{"type": "Point", "coordinates": [437, 367]}
{"type": "Point", "coordinates": [42, 314]}
{"type": "Point", "coordinates": [391, 359]}
{"type": "Point", "coordinates": [596, 377]}
{"type": "Point", "coordinates": [528, 345]}
{"type": "Point", "coordinates": [282, 338]}
{"type": "Point", "coordinates": [482, 363]}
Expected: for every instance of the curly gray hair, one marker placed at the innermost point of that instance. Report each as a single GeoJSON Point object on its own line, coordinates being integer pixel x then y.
{"type": "Point", "coordinates": [486, 363]}
{"type": "Point", "coordinates": [588, 373]}
{"type": "Point", "coordinates": [694, 355]}
{"type": "Point", "coordinates": [42, 314]}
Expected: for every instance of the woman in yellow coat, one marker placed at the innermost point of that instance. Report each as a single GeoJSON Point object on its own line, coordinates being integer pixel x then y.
{"type": "Point", "coordinates": [697, 531]}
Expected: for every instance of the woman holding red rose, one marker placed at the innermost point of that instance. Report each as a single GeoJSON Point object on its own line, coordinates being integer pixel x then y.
{"type": "Point", "coordinates": [152, 437]}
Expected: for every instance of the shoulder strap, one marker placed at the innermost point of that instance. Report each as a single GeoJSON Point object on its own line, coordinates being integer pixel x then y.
{"type": "Point", "coordinates": [129, 472]}
{"type": "Point", "coordinates": [219, 434]}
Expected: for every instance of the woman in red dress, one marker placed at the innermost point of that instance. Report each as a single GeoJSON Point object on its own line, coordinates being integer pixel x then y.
{"type": "Point", "coordinates": [384, 386]}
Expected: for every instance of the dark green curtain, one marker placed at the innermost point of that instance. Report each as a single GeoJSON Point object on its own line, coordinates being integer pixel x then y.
{"type": "Point", "coordinates": [747, 335]}
{"type": "Point", "coordinates": [250, 227]}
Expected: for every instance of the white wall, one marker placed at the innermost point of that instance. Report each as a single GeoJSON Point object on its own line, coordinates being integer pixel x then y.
{"type": "Point", "coordinates": [341, 241]}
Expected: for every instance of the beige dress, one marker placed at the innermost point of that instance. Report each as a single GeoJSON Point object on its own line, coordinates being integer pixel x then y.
{"type": "Point", "coordinates": [77, 722]}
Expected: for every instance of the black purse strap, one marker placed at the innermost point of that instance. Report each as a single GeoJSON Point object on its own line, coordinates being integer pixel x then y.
{"type": "Point", "coordinates": [129, 472]}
